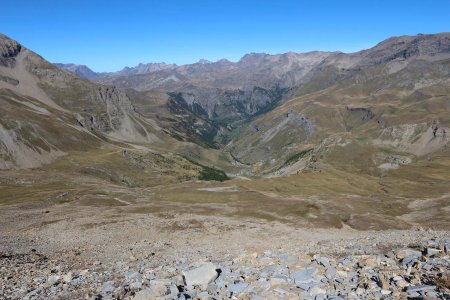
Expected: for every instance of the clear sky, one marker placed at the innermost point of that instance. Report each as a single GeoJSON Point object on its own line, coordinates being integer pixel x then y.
{"type": "Point", "coordinates": [108, 35]}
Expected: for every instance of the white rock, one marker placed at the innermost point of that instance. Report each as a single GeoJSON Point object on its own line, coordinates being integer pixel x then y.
{"type": "Point", "coordinates": [201, 276]}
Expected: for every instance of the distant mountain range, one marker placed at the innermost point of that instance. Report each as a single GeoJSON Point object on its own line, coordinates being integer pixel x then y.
{"type": "Point", "coordinates": [85, 71]}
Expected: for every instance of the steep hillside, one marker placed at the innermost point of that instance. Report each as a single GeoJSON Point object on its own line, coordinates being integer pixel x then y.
{"type": "Point", "coordinates": [51, 115]}
{"type": "Point", "coordinates": [33, 133]}
{"type": "Point", "coordinates": [376, 115]}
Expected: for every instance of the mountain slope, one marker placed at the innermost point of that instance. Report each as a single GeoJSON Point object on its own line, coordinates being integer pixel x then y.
{"type": "Point", "coordinates": [375, 113]}
{"type": "Point", "coordinates": [232, 94]}
{"type": "Point", "coordinates": [269, 109]}
{"type": "Point", "coordinates": [49, 113]}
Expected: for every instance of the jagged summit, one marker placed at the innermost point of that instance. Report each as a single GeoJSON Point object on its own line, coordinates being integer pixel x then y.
{"type": "Point", "coordinates": [426, 46]}
{"type": "Point", "coordinates": [81, 70]}
{"type": "Point", "coordinates": [142, 69]}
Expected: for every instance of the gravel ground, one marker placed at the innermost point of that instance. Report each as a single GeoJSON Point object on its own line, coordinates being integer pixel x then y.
{"type": "Point", "coordinates": [94, 253]}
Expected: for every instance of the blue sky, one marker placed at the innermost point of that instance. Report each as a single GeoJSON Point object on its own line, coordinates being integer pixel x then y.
{"type": "Point", "coordinates": [108, 35]}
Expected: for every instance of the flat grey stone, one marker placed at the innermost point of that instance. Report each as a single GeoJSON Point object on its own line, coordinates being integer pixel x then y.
{"type": "Point", "coordinates": [288, 259]}
{"type": "Point", "coordinates": [135, 286]}
{"type": "Point", "coordinates": [304, 276]}
{"type": "Point", "coordinates": [323, 261]}
{"type": "Point", "coordinates": [281, 271]}
{"type": "Point", "coordinates": [264, 285]}
{"type": "Point", "coordinates": [420, 288]}
{"type": "Point", "coordinates": [330, 273]}
{"type": "Point", "coordinates": [108, 287]}
{"type": "Point", "coordinates": [283, 256]}
{"type": "Point", "coordinates": [278, 280]}
{"type": "Point", "coordinates": [237, 288]}
{"type": "Point", "coordinates": [268, 270]}
{"type": "Point", "coordinates": [305, 286]}
{"type": "Point", "coordinates": [346, 261]}
{"type": "Point", "coordinates": [132, 277]}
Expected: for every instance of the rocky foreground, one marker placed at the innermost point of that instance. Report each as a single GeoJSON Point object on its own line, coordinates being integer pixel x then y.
{"type": "Point", "coordinates": [418, 271]}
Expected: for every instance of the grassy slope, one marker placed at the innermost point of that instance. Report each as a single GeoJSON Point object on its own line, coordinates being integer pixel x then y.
{"type": "Point", "coordinates": [396, 199]}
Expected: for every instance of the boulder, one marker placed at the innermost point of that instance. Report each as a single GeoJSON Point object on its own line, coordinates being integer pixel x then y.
{"type": "Point", "coordinates": [201, 276]}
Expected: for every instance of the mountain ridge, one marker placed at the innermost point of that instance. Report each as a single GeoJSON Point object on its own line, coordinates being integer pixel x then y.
{"type": "Point", "coordinates": [266, 106]}
{"type": "Point", "coordinates": [145, 68]}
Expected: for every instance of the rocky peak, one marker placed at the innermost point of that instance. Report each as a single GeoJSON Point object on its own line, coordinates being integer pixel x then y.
{"type": "Point", "coordinates": [144, 69]}
{"type": "Point", "coordinates": [9, 49]}
{"type": "Point", "coordinates": [80, 70]}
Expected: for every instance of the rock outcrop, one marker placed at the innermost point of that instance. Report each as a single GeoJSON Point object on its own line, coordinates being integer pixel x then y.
{"type": "Point", "coordinates": [8, 51]}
